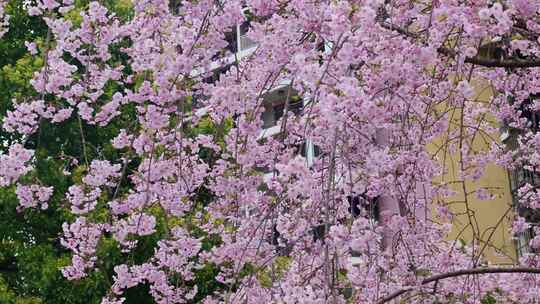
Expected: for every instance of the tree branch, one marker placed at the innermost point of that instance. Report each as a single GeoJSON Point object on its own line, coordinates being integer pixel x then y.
{"type": "Point", "coordinates": [493, 63]}
{"type": "Point", "coordinates": [458, 273]}
{"type": "Point", "coordinates": [476, 60]}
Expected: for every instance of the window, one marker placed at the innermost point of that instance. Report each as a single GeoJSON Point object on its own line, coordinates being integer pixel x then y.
{"type": "Point", "coordinates": [282, 249]}
{"type": "Point", "coordinates": [522, 176]}
{"type": "Point", "coordinates": [243, 41]}
{"type": "Point", "coordinates": [319, 233]}
{"type": "Point", "coordinates": [294, 107]}
{"type": "Point", "coordinates": [174, 6]}
{"type": "Point", "coordinates": [361, 205]}
{"type": "Point", "coordinates": [215, 74]}
{"type": "Point", "coordinates": [197, 101]}
{"type": "Point", "coordinates": [237, 39]}
{"type": "Point", "coordinates": [523, 240]}
{"type": "Point", "coordinates": [301, 149]}
{"type": "Point", "coordinates": [316, 151]}
{"type": "Point", "coordinates": [532, 117]}
{"type": "Point", "coordinates": [263, 168]}
{"type": "Point", "coordinates": [232, 43]}
{"type": "Point", "coordinates": [275, 111]}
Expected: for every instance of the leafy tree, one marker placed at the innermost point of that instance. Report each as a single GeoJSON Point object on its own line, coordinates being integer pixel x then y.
{"type": "Point", "coordinates": [31, 252]}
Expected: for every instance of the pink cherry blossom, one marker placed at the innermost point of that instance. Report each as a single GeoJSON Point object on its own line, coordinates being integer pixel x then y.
{"type": "Point", "coordinates": [33, 196]}
{"type": "Point", "coordinates": [340, 134]}
{"type": "Point", "coordinates": [14, 164]}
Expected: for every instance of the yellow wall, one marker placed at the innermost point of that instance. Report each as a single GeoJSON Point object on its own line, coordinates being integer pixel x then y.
{"type": "Point", "coordinates": [491, 219]}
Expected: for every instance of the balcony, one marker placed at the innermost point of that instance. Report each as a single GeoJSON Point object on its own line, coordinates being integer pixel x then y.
{"type": "Point", "coordinates": [245, 43]}
{"type": "Point", "coordinates": [274, 107]}
{"type": "Point", "coordinates": [529, 122]}
{"type": "Point", "coordinates": [239, 46]}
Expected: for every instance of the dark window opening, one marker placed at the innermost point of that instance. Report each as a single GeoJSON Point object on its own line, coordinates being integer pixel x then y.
{"type": "Point", "coordinates": [301, 149]}
{"type": "Point", "coordinates": [245, 42]}
{"type": "Point", "coordinates": [294, 107]}
{"type": "Point", "coordinates": [532, 117]}
{"type": "Point", "coordinates": [232, 39]}
{"type": "Point", "coordinates": [264, 168]}
{"type": "Point", "coordinates": [215, 74]}
{"type": "Point", "coordinates": [316, 151]}
{"type": "Point", "coordinates": [282, 250]}
{"type": "Point", "coordinates": [320, 48]}
{"type": "Point", "coordinates": [363, 205]}
{"type": "Point", "coordinates": [197, 101]}
{"type": "Point", "coordinates": [174, 6]}
{"type": "Point", "coordinates": [273, 113]}
{"type": "Point", "coordinates": [244, 27]}
{"type": "Point", "coordinates": [319, 233]}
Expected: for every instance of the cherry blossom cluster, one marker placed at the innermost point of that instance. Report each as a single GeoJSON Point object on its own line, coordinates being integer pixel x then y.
{"type": "Point", "coordinates": [391, 91]}
{"type": "Point", "coordinates": [14, 164]}
{"type": "Point", "coordinates": [33, 195]}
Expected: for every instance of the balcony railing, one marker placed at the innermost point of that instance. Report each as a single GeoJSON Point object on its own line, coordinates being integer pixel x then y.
{"type": "Point", "coordinates": [246, 43]}
{"type": "Point", "coordinates": [522, 176]}
{"type": "Point", "coordinates": [518, 178]}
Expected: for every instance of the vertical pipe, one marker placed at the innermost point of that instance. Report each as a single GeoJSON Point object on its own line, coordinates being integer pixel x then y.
{"type": "Point", "coordinates": [388, 205]}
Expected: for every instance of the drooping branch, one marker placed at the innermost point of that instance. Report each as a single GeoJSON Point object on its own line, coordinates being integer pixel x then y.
{"type": "Point", "coordinates": [493, 63]}
{"type": "Point", "coordinates": [458, 273]}
{"type": "Point", "coordinates": [476, 60]}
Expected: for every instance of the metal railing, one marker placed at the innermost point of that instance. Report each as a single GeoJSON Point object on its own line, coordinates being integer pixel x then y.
{"type": "Point", "coordinates": [246, 43]}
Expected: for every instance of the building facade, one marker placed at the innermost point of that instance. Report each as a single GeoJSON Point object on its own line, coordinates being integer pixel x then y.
{"type": "Point", "coordinates": [493, 217]}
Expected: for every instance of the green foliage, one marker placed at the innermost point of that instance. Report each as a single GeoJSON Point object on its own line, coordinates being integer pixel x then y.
{"type": "Point", "coordinates": [30, 251]}
{"type": "Point", "coordinates": [489, 299]}
{"type": "Point", "coordinates": [278, 269]}
{"type": "Point", "coordinates": [31, 254]}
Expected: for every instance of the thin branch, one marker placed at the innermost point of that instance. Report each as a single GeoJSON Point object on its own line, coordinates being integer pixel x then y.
{"type": "Point", "coordinates": [493, 63]}
{"type": "Point", "coordinates": [463, 272]}
{"type": "Point", "coordinates": [476, 60]}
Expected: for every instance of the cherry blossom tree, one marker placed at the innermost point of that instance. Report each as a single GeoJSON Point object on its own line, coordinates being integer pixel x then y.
{"type": "Point", "coordinates": [379, 82]}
